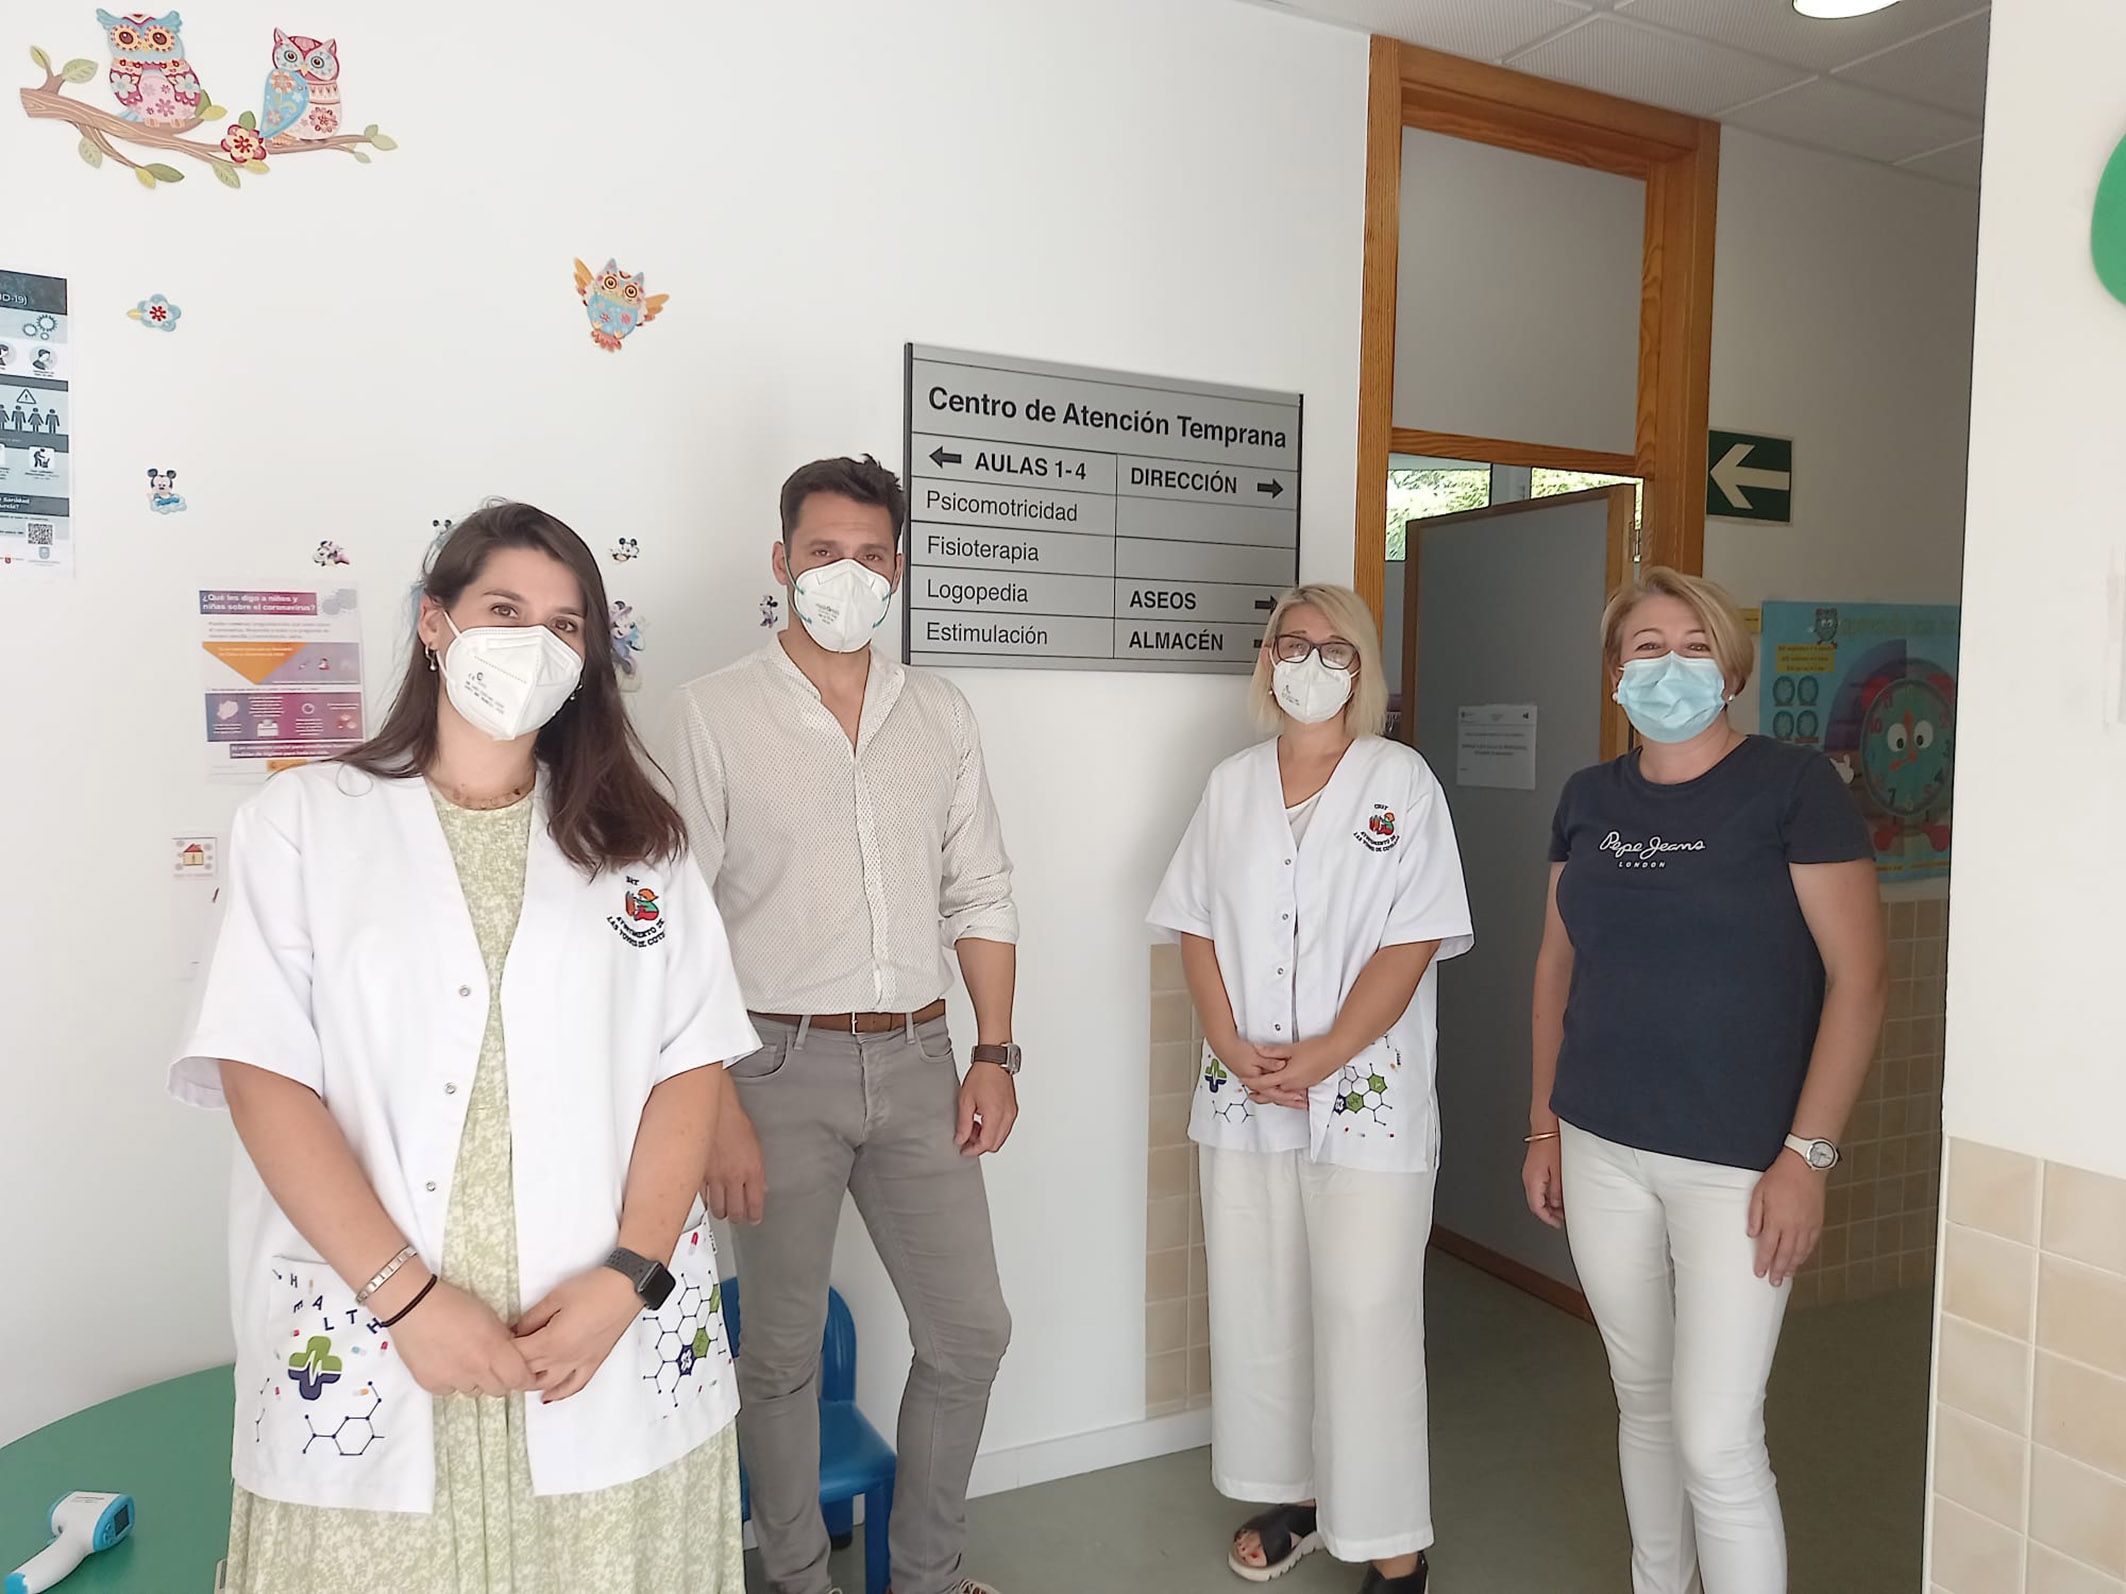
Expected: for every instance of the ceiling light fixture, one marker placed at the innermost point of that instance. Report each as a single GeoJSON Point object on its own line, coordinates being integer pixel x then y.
{"type": "Point", "coordinates": [1841, 8]}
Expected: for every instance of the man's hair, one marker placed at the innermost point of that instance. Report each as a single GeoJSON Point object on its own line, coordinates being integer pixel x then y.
{"type": "Point", "coordinates": [864, 480]}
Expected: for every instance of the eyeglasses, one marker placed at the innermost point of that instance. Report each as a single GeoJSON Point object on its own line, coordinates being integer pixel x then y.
{"type": "Point", "coordinates": [1336, 653]}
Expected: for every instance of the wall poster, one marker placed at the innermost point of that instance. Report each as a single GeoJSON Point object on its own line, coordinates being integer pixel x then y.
{"type": "Point", "coordinates": [283, 683]}
{"type": "Point", "coordinates": [1874, 686]}
{"type": "Point", "coordinates": [36, 425]}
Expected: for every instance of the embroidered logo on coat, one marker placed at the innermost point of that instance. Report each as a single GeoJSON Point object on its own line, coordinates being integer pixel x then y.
{"type": "Point", "coordinates": [1379, 834]}
{"type": "Point", "coordinates": [644, 924]}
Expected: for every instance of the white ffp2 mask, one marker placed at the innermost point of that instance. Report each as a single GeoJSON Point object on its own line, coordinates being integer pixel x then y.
{"type": "Point", "coordinates": [1309, 690]}
{"type": "Point", "coordinates": [842, 604]}
{"type": "Point", "coordinates": [508, 680]}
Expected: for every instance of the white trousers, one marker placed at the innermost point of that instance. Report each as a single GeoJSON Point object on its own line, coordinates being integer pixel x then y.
{"type": "Point", "coordinates": [1663, 1249]}
{"type": "Point", "coordinates": [1317, 1278]}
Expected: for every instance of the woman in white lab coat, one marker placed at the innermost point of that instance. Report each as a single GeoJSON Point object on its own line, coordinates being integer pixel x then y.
{"type": "Point", "coordinates": [1314, 894]}
{"type": "Point", "coordinates": [465, 1010]}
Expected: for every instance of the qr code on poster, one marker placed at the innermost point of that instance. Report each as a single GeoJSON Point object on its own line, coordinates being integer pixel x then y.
{"type": "Point", "coordinates": [40, 533]}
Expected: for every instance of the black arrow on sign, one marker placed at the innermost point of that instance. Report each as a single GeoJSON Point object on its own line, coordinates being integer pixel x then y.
{"type": "Point", "coordinates": [1265, 603]}
{"type": "Point", "coordinates": [1274, 488]}
{"type": "Point", "coordinates": [938, 456]}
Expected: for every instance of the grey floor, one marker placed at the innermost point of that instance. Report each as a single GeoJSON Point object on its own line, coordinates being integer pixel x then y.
{"type": "Point", "coordinates": [1525, 1487]}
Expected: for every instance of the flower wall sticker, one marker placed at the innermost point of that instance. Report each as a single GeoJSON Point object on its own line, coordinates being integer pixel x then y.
{"type": "Point", "coordinates": [157, 312]}
{"type": "Point", "coordinates": [160, 101]}
{"type": "Point", "coordinates": [615, 302]}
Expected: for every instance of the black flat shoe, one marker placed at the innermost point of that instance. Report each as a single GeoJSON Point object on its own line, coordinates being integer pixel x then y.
{"type": "Point", "coordinates": [1413, 1583]}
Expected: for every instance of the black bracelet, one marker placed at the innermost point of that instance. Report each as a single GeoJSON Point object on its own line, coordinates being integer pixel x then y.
{"type": "Point", "coordinates": [393, 1322]}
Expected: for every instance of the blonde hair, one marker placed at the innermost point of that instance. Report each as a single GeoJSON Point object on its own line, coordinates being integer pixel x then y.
{"type": "Point", "coordinates": [1366, 714]}
{"type": "Point", "coordinates": [1716, 614]}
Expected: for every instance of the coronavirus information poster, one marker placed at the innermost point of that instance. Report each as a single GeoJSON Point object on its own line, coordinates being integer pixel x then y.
{"type": "Point", "coordinates": [283, 677]}
{"type": "Point", "coordinates": [36, 427]}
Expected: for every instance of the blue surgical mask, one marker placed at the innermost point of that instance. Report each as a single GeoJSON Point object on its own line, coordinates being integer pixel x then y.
{"type": "Point", "coordinates": [1672, 699]}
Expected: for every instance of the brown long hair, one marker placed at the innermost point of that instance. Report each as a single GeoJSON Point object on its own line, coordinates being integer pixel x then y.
{"type": "Point", "coordinates": [603, 810]}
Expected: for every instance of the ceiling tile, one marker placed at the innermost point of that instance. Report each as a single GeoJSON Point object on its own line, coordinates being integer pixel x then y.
{"type": "Point", "coordinates": [1484, 30]}
{"type": "Point", "coordinates": [1946, 68]}
{"type": "Point", "coordinates": [1956, 164]}
{"type": "Point", "coordinates": [1834, 115]}
{"type": "Point", "coordinates": [1657, 67]}
{"type": "Point", "coordinates": [1773, 28]}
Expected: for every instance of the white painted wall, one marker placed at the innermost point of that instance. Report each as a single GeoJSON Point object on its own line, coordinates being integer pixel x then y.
{"type": "Point", "coordinates": [1842, 319]}
{"type": "Point", "coordinates": [2034, 1056]}
{"type": "Point", "coordinates": [1842, 296]}
{"type": "Point", "coordinates": [1517, 296]}
{"type": "Point", "coordinates": [1171, 186]}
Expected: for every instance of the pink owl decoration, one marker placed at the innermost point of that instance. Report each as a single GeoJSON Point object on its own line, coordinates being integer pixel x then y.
{"type": "Point", "coordinates": [150, 78]}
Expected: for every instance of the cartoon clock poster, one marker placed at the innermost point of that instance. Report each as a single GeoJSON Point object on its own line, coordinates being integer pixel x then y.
{"type": "Point", "coordinates": [1874, 686]}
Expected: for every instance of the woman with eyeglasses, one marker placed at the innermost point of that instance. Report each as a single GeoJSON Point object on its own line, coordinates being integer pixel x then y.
{"type": "Point", "coordinates": [1313, 894]}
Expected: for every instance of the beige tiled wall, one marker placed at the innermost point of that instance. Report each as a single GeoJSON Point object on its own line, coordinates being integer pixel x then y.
{"type": "Point", "coordinates": [1177, 1300]}
{"type": "Point", "coordinates": [2029, 1477]}
{"type": "Point", "coordinates": [1880, 1216]}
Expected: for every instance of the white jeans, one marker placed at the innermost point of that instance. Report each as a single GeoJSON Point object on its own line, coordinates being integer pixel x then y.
{"type": "Point", "coordinates": [1317, 1278]}
{"type": "Point", "coordinates": [1663, 1249]}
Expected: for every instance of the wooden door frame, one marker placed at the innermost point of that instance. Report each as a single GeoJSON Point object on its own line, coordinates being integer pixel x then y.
{"type": "Point", "coordinates": [1616, 730]}
{"type": "Point", "coordinates": [1678, 158]}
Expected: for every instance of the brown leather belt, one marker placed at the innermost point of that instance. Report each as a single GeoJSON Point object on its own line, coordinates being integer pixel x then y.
{"type": "Point", "coordinates": [859, 1023]}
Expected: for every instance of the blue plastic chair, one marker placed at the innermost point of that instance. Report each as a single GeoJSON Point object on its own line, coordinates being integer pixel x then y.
{"type": "Point", "coordinates": [854, 1461]}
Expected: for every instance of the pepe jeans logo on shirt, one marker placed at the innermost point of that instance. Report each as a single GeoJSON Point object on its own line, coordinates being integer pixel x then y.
{"type": "Point", "coordinates": [1379, 834]}
{"type": "Point", "coordinates": [1651, 853]}
{"type": "Point", "coordinates": [644, 921]}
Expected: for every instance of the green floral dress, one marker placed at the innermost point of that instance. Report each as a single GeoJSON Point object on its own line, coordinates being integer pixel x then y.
{"type": "Point", "coordinates": [674, 1532]}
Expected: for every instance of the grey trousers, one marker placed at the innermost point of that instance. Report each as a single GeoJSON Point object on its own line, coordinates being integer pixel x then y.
{"type": "Point", "coordinates": [872, 1115]}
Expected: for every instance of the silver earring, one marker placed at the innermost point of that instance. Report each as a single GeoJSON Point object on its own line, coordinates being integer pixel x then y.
{"type": "Point", "coordinates": [431, 661]}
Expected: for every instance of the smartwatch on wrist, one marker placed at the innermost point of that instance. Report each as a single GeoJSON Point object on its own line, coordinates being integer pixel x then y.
{"type": "Point", "coordinates": [1006, 1056]}
{"type": "Point", "coordinates": [653, 1281]}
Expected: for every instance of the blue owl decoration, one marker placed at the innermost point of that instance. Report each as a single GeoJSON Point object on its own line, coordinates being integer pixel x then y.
{"type": "Point", "coordinates": [287, 93]}
{"type": "Point", "coordinates": [615, 302]}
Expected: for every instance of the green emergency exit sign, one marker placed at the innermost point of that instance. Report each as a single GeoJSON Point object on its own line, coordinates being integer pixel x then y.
{"type": "Point", "coordinates": [1749, 477]}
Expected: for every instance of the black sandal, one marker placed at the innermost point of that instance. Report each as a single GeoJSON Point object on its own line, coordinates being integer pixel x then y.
{"type": "Point", "coordinates": [1288, 1535]}
{"type": "Point", "coordinates": [1408, 1583]}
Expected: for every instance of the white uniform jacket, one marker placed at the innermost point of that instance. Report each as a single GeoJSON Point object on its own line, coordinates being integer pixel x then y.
{"type": "Point", "coordinates": [346, 960]}
{"type": "Point", "coordinates": [1295, 924]}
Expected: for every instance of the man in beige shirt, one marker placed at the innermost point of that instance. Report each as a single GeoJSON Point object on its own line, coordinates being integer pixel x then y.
{"type": "Point", "coordinates": [838, 808]}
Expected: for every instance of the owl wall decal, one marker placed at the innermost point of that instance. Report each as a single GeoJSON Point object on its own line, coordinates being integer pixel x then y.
{"type": "Point", "coordinates": [626, 632]}
{"type": "Point", "coordinates": [615, 302]}
{"type": "Point", "coordinates": [153, 82]}
{"type": "Point", "coordinates": [302, 95]}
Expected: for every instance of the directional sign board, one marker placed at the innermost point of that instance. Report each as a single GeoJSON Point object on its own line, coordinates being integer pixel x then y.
{"type": "Point", "coordinates": [1749, 477]}
{"type": "Point", "coordinates": [1064, 518]}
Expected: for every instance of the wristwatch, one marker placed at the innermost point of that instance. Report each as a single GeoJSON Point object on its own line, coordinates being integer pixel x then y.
{"type": "Point", "coordinates": [1006, 1056]}
{"type": "Point", "coordinates": [653, 1281]}
{"type": "Point", "coordinates": [1818, 1154]}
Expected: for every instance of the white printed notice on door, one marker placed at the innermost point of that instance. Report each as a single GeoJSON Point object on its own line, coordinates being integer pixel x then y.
{"type": "Point", "coordinates": [1494, 745]}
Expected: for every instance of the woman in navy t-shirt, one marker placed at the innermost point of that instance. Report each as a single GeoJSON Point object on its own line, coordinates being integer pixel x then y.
{"type": "Point", "coordinates": [1707, 1000]}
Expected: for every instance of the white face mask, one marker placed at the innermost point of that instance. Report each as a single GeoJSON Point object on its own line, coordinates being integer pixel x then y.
{"type": "Point", "coordinates": [508, 680]}
{"type": "Point", "coordinates": [842, 604]}
{"type": "Point", "coordinates": [1310, 691]}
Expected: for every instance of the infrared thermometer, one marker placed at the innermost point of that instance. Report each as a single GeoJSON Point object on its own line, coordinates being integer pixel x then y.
{"type": "Point", "coordinates": [82, 1524]}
